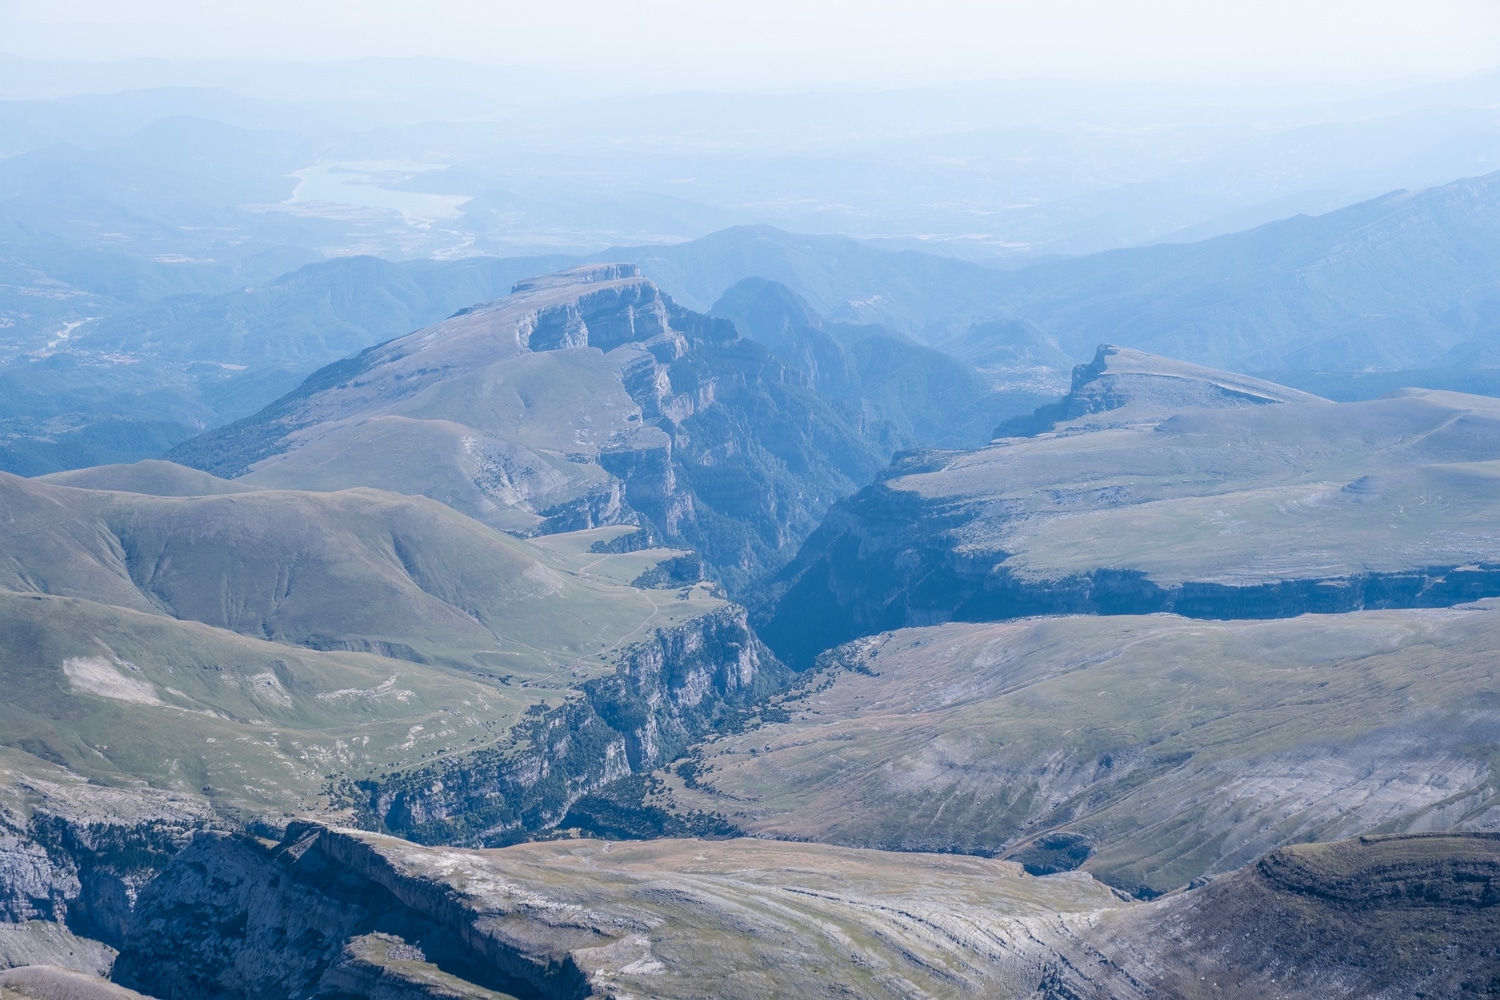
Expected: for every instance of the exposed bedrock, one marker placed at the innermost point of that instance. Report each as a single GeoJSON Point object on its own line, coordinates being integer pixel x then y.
{"type": "Point", "coordinates": [1159, 486]}
{"type": "Point", "coordinates": [234, 917]}
{"type": "Point", "coordinates": [1410, 916]}
{"type": "Point", "coordinates": [889, 559]}
{"type": "Point", "coordinates": [668, 691]}
{"type": "Point", "coordinates": [72, 864]}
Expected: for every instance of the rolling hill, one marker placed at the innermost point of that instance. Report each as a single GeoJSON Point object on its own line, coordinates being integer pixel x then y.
{"type": "Point", "coordinates": [187, 655]}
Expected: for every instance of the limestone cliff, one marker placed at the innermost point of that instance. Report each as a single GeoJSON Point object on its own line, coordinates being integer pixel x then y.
{"type": "Point", "coordinates": [669, 690]}
{"type": "Point", "coordinates": [1159, 486]}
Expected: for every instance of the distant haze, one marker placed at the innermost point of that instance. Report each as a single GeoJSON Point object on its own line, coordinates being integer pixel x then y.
{"type": "Point", "coordinates": [779, 44]}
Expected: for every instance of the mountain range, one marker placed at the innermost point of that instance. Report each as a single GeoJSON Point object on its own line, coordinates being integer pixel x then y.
{"type": "Point", "coordinates": [1350, 304]}
{"type": "Point", "coordinates": [529, 632]}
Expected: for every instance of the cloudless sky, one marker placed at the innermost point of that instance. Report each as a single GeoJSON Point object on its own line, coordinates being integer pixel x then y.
{"type": "Point", "coordinates": [779, 44]}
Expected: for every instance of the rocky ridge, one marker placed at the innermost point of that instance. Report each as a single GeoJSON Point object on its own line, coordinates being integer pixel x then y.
{"type": "Point", "coordinates": [669, 691]}
{"type": "Point", "coordinates": [585, 398]}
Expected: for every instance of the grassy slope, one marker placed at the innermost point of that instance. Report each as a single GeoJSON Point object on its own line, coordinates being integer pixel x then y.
{"type": "Point", "coordinates": [1261, 493]}
{"type": "Point", "coordinates": [1173, 747]}
{"type": "Point", "coordinates": [153, 477]}
{"type": "Point", "coordinates": [358, 569]}
{"type": "Point", "coordinates": [173, 642]}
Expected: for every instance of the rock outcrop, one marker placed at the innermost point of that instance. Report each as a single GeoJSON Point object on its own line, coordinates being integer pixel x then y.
{"type": "Point", "coordinates": [332, 913]}
{"type": "Point", "coordinates": [679, 685]}
{"type": "Point", "coordinates": [585, 398]}
{"type": "Point", "coordinates": [1167, 488]}
{"type": "Point", "coordinates": [1372, 917]}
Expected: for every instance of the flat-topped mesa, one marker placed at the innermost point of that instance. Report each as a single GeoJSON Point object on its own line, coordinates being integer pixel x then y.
{"type": "Point", "coordinates": [597, 305]}
{"type": "Point", "coordinates": [583, 274]}
{"type": "Point", "coordinates": [1133, 386]}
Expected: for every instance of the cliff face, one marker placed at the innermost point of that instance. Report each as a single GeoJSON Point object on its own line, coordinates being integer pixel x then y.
{"type": "Point", "coordinates": [1372, 917]}
{"type": "Point", "coordinates": [235, 918]}
{"type": "Point", "coordinates": [669, 690]}
{"type": "Point", "coordinates": [78, 854]}
{"type": "Point", "coordinates": [1164, 487]}
{"type": "Point", "coordinates": [331, 913]}
{"type": "Point", "coordinates": [585, 398]}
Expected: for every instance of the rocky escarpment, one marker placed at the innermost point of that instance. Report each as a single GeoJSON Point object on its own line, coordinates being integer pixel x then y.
{"type": "Point", "coordinates": [669, 690]}
{"type": "Point", "coordinates": [1172, 488]}
{"type": "Point", "coordinates": [1415, 916]}
{"type": "Point", "coordinates": [79, 855]}
{"type": "Point", "coordinates": [586, 398]}
{"type": "Point", "coordinates": [332, 913]}
{"type": "Point", "coordinates": [888, 559]}
{"type": "Point", "coordinates": [313, 916]}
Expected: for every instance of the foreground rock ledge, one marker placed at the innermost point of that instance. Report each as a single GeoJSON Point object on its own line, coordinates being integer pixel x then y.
{"type": "Point", "coordinates": [338, 913]}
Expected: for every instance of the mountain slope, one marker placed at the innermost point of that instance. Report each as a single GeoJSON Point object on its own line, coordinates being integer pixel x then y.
{"type": "Point", "coordinates": [359, 570]}
{"type": "Point", "coordinates": [906, 395]}
{"type": "Point", "coordinates": [1163, 488]}
{"type": "Point", "coordinates": [584, 398]}
{"type": "Point", "coordinates": [1149, 750]}
{"type": "Point", "coordinates": [152, 477]}
{"type": "Point", "coordinates": [262, 654]}
{"type": "Point", "coordinates": [1403, 281]}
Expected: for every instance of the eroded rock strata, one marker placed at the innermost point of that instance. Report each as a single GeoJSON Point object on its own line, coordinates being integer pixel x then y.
{"type": "Point", "coordinates": [1158, 486]}
{"type": "Point", "coordinates": [335, 913]}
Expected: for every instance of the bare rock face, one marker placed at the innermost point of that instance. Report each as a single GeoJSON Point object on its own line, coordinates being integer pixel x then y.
{"type": "Point", "coordinates": [234, 918]}
{"type": "Point", "coordinates": [77, 854]}
{"type": "Point", "coordinates": [1159, 486]}
{"type": "Point", "coordinates": [585, 398]}
{"type": "Point", "coordinates": [669, 690]}
{"type": "Point", "coordinates": [1376, 917]}
{"type": "Point", "coordinates": [334, 913]}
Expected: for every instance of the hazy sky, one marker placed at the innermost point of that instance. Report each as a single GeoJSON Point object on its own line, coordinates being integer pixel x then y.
{"type": "Point", "coordinates": [776, 44]}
